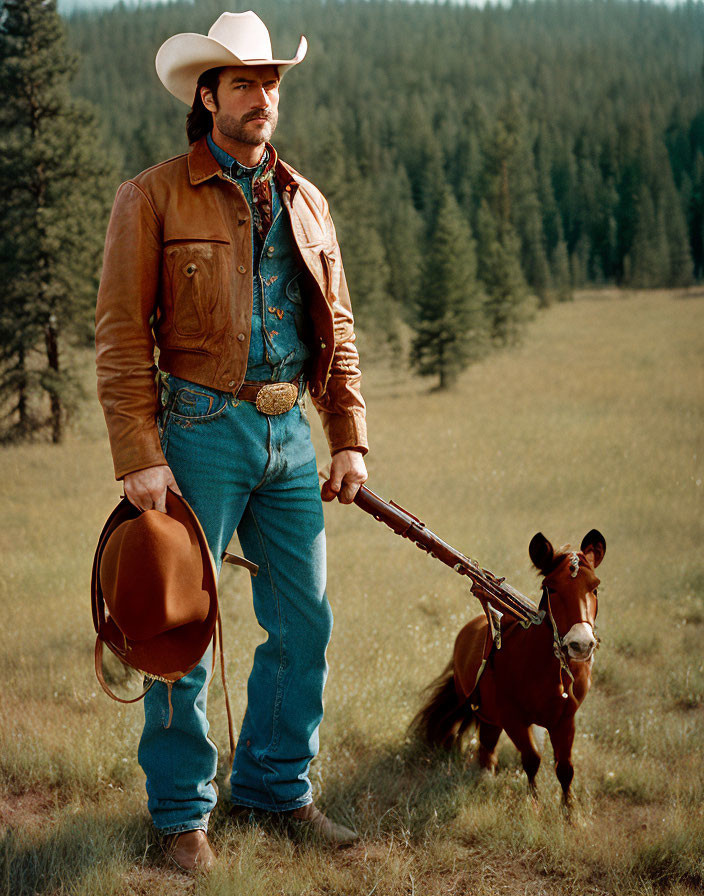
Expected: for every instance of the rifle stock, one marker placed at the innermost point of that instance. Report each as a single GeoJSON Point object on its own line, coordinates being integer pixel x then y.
{"type": "Point", "coordinates": [492, 592]}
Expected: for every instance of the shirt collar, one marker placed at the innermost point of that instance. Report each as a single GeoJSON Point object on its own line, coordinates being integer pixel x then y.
{"type": "Point", "coordinates": [232, 166]}
{"type": "Point", "coordinates": [202, 165]}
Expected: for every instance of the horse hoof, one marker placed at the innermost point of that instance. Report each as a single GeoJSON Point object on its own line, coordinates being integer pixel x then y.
{"type": "Point", "coordinates": [568, 813]}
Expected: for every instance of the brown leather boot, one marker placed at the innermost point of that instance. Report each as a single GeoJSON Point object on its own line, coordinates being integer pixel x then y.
{"type": "Point", "coordinates": [309, 821]}
{"type": "Point", "coordinates": [190, 851]}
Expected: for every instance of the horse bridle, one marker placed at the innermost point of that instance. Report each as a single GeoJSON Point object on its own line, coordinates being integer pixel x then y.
{"type": "Point", "coordinates": [558, 646]}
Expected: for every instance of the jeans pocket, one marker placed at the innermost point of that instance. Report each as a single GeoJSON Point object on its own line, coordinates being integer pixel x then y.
{"type": "Point", "coordinates": [193, 404]}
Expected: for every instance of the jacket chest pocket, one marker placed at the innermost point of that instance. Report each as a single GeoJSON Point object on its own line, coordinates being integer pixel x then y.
{"type": "Point", "coordinates": [196, 286]}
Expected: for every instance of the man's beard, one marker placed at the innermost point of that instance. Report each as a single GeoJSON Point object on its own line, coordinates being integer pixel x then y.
{"type": "Point", "coordinates": [244, 130]}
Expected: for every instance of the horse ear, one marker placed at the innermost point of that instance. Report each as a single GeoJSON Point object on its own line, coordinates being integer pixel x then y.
{"type": "Point", "coordinates": [541, 552]}
{"type": "Point", "coordinates": [594, 547]}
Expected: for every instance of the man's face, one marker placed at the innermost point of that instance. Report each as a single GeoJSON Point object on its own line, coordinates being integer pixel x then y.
{"type": "Point", "coordinates": [247, 105]}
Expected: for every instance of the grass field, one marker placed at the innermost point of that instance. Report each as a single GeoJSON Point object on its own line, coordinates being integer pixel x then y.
{"type": "Point", "coordinates": [596, 420]}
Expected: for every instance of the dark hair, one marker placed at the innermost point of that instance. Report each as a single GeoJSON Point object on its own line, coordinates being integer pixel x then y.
{"type": "Point", "coordinates": [199, 120]}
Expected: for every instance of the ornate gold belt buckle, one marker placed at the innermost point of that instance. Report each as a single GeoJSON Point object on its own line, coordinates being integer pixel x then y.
{"type": "Point", "coordinates": [276, 398]}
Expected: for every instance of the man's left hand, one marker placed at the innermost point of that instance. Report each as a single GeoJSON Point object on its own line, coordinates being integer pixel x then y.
{"type": "Point", "coordinates": [347, 472]}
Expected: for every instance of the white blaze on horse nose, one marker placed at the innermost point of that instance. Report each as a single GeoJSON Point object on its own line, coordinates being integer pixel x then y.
{"type": "Point", "coordinates": [580, 641]}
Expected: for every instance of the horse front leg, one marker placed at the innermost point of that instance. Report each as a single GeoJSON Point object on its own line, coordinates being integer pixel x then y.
{"type": "Point", "coordinates": [522, 738]}
{"type": "Point", "coordinates": [488, 739]}
{"type": "Point", "coordinates": [562, 739]}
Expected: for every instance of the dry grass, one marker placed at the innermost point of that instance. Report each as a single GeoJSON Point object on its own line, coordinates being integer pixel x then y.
{"type": "Point", "coordinates": [596, 420]}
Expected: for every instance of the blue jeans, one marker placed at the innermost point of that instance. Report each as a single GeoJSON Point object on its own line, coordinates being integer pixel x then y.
{"type": "Point", "coordinates": [242, 470]}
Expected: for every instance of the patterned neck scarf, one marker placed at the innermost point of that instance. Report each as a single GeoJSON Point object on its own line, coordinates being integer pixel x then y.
{"type": "Point", "coordinates": [261, 178]}
{"type": "Point", "coordinates": [262, 211]}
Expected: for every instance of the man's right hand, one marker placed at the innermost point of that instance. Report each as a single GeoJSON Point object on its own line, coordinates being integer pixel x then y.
{"type": "Point", "coordinates": [146, 489]}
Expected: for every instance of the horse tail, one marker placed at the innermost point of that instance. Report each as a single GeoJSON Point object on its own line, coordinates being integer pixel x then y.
{"type": "Point", "coordinates": [444, 718]}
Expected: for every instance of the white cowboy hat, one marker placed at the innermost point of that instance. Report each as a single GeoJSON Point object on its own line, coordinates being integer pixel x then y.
{"type": "Point", "coordinates": [237, 38]}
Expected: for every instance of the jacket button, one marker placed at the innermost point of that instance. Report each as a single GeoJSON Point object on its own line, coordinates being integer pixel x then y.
{"type": "Point", "coordinates": [270, 251]}
{"type": "Point", "coordinates": [240, 338]}
{"type": "Point", "coordinates": [242, 269]}
{"type": "Point", "coordinates": [231, 383]}
{"type": "Point", "coordinates": [322, 345]}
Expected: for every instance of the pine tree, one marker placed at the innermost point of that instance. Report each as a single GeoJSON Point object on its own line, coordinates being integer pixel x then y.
{"type": "Point", "coordinates": [535, 262]}
{"type": "Point", "coordinates": [53, 205]}
{"type": "Point", "coordinates": [552, 224]}
{"type": "Point", "coordinates": [449, 325]}
{"type": "Point", "coordinates": [366, 268]}
{"type": "Point", "coordinates": [508, 195]}
{"type": "Point", "coordinates": [579, 262]}
{"type": "Point", "coordinates": [401, 228]}
{"type": "Point", "coordinates": [696, 214]}
{"type": "Point", "coordinates": [681, 265]}
{"type": "Point", "coordinates": [513, 193]}
{"type": "Point", "coordinates": [561, 278]}
{"type": "Point", "coordinates": [500, 273]}
{"type": "Point", "coordinates": [649, 257]}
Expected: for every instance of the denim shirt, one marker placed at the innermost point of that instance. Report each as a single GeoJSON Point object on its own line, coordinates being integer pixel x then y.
{"type": "Point", "coordinates": [277, 348]}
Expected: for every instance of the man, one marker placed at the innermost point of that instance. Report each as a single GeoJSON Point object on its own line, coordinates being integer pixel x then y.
{"type": "Point", "coordinates": [226, 260]}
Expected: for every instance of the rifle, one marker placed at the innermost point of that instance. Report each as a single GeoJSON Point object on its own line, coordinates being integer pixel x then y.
{"type": "Point", "coordinates": [495, 594]}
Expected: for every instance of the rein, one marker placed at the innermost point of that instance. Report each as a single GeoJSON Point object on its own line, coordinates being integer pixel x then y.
{"type": "Point", "coordinates": [558, 647]}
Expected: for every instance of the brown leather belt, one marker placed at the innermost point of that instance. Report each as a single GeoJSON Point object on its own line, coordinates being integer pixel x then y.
{"type": "Point", "coordinates": [270, 398]}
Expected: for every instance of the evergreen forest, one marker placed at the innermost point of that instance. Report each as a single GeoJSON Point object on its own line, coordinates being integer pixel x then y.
{"type": "Point", "coordinates": [572, 128]}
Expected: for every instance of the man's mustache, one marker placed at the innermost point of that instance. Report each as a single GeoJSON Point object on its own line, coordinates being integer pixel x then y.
{"type": "Point", "coordinates": [260, 113]}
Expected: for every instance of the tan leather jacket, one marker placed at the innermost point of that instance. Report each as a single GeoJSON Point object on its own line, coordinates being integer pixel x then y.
{"type": "Point", "coordinates": [177, 275]}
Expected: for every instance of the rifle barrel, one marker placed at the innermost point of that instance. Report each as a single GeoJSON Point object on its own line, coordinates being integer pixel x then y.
{"type": "Point", "coordinates": [485, 586]}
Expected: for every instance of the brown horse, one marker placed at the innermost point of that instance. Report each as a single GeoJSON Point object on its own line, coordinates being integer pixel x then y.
{"type": "Point", "coordinates": [538, 676]}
